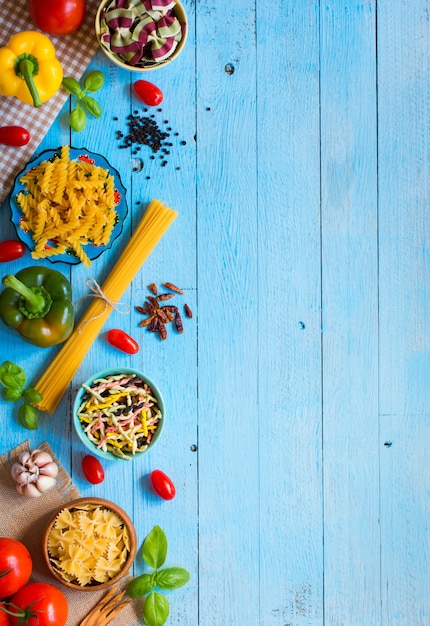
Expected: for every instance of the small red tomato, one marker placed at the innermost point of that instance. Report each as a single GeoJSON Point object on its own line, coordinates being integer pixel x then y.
{"type": "Point", "coordinates": [162, 485]}
{"type": "Point", "coordinates": [120, 340]}
{"type": "Point", "coordinates": [4, 618]}
{"type": "Point", "coordinates": [93, 469]}
{"type": "Point", "coordinates": [57, 17]}
{"type": "Point", "coordinates": [14, 136]}
{"type": "Point", "coordinates": [15, 566]}
{"type": "Point", "coordinates": [149, 93]}
{"type": "Point", "coordinates": [10, 250]}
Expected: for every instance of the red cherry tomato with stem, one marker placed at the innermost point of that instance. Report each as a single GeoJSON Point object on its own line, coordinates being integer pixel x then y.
{"type": "Point", "coordinates": [42, 605]}
{"type": "Point", "coordinates": [10, 250]}
{"type": "Point", "coordinates": [4, 617]}
{"type": "Point", "coordinates": [57, 17]}
{"type": "Point", "coordinates": [15, 566]}
{"type": "Point", "coordinates": [14, 136]}
{"type": "Point", "coordinates": [149, 93]}
{"type": "Point", "coordinates": [93, 469]}
{"type": "Point", "coordinates": [120, 340]}
{"type": "Point", "coordinates": [162, 485]}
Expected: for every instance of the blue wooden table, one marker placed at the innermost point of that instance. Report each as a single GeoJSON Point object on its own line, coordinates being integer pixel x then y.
{"type": "Point", "coordinates": [297, 431]}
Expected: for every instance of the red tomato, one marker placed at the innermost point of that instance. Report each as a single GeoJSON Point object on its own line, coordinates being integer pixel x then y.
{"type": "Point", "coordinates": [93, 469]}
{"type": "Point", "coordinates": [15, 566]}
{"type": "Point", "coordinates": [57, 17]}
{"type": "Point", "coordinates": [149, 93]}
{"type": "Point", "coordinates": [120, 340]}
{"type": "Point", "coordinates": [162, 485]}
{"type": "Point", "coordinates": [4, 618]}
{"type": "Point", "coordinates": [11, 250]}
{"type": "Point", "coordinates": [14, 136]}
{"type": "Point", "coordinates": [42, 604]}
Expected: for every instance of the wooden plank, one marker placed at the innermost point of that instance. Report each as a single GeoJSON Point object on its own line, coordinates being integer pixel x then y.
{"type": "Point", "coordinates": [405, 477]}
{"type": "Point", "coordinates": [403, 120]}
{"type": "Point", "coordinates": [227, 301]}
{"type": "Point", "coordinates": [350, 314]}
{"type": "Point", "coordinates": [289, 317]}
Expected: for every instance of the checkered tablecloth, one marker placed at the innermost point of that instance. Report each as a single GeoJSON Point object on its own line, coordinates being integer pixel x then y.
{"type": "Point", "coordinates": [74, 52]}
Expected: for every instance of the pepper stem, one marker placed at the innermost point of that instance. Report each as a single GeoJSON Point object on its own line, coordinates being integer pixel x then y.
{"type": "Point", "coordinates": [36, 301]}
{"type": "Point", "coordinates": [27, 67]}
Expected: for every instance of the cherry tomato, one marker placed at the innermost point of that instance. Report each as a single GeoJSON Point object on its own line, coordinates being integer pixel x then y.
{"type": "Point", "coordinates": [11, 250]}
{"type": "Point", "coordinates": [14, 136]}
{"type": "Point", "coordinates": [120, 340]}
{"type": "Point", "coordinates": [43, 604]}
{"type": "Point", "coordinates": [93, 469]}
{"type": "Point", "coordinates": [162, 485]}
{"type": "Point", "coordinates": [149, 93]}
{"type": "Point", "coordinates": [15, 566]}
{"type": "Point", "coordinates": [57, 17]}
{"type": "Point", "coordinates": [4, 618]}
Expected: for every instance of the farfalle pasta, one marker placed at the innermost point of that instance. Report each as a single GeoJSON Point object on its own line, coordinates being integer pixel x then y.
{"type": "Point", "coordinates": [88, 545]}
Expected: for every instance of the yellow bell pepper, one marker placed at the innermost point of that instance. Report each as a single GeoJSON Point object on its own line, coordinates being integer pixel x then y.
{"type": "Point", "coordinates": [29, 69]}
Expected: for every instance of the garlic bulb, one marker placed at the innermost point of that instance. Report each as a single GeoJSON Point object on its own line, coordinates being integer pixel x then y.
{"type": "Point", "coordinates": [34, 473]}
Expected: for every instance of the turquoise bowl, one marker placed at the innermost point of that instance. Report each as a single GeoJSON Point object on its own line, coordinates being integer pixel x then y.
{"type": "Point", "coordinates": [92, 447]}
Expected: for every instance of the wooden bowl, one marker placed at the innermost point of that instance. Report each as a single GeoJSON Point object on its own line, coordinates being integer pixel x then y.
{"type": "Point", "coordinates": [51, 559]}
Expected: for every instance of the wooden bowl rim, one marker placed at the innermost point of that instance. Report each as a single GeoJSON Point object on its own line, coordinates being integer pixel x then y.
{"type": "Point", "coordinates": [108, 504]}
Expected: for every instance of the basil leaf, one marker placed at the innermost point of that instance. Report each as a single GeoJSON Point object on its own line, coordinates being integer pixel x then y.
{"type": "Point", "coordinates": [92, 106]}
{"type": "Point", "coordinates": [11, 395]}
{"type": "Point", "coordinates": [172, 577]}
{"type": "Point", "coordinates": [78, 119]}
{"type": "Point", "coordinates": [72, 86]}
{"type": "Point", "coordinates": [140, 586]}
{"type": "Point", "coordinates": [155, 548]}
{"type": "Point", "coordinates": [28, 416]}
{"type": "Point", "coordinates": [32, 396]}
{"type": "Point", "coordinates": [12, 375]}
{"type": "Point", "coordinates": [94, 81]}
{"type": "Point", "coordinates": [156, 609]}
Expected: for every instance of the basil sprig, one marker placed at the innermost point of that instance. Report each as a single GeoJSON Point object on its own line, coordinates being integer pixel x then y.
{"type": "Point", "coordinates": [13, 380]}
{"type": "Point", "coordinates": [156, 607]}
{"type": "Point", "coordinates": [92, 82]}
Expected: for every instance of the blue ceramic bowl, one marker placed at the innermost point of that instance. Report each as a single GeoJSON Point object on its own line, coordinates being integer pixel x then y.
{"type": "Point", "coordinates": [79, 426]}
{"type": "Point", "coordinates": [76, 154]}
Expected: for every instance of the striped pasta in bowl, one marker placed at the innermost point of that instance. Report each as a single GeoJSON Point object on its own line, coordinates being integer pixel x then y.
{"type": "Point", "coordinates": [119, 414]}
{"type": "Point", "coordinates": [68, 205]}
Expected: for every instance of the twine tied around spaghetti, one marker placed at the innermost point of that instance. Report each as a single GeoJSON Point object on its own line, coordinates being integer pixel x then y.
{"type": "Point", "coordinates": [97, 292]}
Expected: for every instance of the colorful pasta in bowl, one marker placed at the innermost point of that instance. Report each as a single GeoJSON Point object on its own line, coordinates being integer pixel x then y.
{"type": "Point", "coordinates": [89, 544]}
{"type": "Point", "coordinates": [119, 414]}
{"type": "Point", "coordinates": [68, 205]}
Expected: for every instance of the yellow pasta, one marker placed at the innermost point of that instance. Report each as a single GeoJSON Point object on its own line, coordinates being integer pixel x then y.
{"type": "Point", "coordinates": [88, 545]}
{"type": "Point", "coordinates": [63, 201]}
{"type": "Point", "coordinates": [59, 373]}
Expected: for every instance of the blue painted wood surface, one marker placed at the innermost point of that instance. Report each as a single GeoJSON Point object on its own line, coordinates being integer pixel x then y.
{"type": "Point", "coordinates": [298, 397]}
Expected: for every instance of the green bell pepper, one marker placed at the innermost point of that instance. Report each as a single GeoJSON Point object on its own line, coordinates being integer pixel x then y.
{"type": "Point", "coordinates": [37, 303]}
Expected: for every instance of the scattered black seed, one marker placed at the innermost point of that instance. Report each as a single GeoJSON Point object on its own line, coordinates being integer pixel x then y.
{"type": "Point", "coordinates": [164, 163]}
{"type": "Point", "coordinates": [159, 110]}
{"type": "Point", "coordinates": [208, 108]}
{"type": "Point", "coordinates": [115, 119]}
{"type": "Point", "coordinates": [183, 142]}
{"type": "Point", "coordinates": [178, 168]}
{"type": "Point", "coordinates": [135, 112]}
{"type": "Point", "coordinates": [148, 178]}
{"type": "Point", "coordinates": [166, 121]}
{"type": "Point", "coordinates": [152, 157]}
{"type": "Point", "coordinates": [169, 128]}
{"type": "Point", "coordinates": [176, 134]}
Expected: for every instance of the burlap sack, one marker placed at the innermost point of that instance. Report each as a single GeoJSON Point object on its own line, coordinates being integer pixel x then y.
{"type": "Point", "coordinates": [24, 518]}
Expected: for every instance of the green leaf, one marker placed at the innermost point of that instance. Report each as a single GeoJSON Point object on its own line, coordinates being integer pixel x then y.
{"type": "Point", "coordinates": [28, 416]}
{"type": "Point", "coordinates": [172, 577]}
{"type": "Point", "coordinates": [140, 586]}
{"type": "Point", "coordinates": [72, 86]}
{"type": "Point", "coordinates": [11, 395]}
{"type": "Point", "coordinates": [12, 375]}
{"type": "Point", "coordinates": [94, 81]}
{"type": "Point", "coordinates": [32, 396]}
{"type": "Point", "coordinates": [78, 119]}
{"type": "Point", "coordinates": [92, 106]}
{"type": "Point", "coordinates": [155, 548]}
{"type": "Point", "coordinates": [156, 609]}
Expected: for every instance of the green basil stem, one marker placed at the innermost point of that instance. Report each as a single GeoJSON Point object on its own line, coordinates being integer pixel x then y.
{"type": "Point", "coordinates": [26, 67]}
{"type": "Point", "coordinates": [36, 300]}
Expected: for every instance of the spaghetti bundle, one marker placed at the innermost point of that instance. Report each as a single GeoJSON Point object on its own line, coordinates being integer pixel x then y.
{"type": "Point", "coordinates": [54, 381]}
